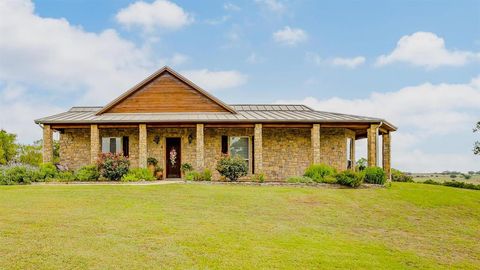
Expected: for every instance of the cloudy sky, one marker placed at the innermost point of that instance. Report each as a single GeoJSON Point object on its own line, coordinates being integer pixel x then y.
{"type": "Point", "coordinates": [414, 63]}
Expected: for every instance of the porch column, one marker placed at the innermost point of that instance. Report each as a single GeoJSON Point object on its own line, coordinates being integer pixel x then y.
{"type": "Point", "coordinates": [352, 152]}
{"type": "Point", "coordinates": [316, 143]}
{"type": "Point", "coordinates": [142, 146]}
{"type": "Point", "coordinates": [372, 145]}
{"type": "Point", "coordinates": [47, 144]}
{"type": "Point", "coordinates": [94, 143]}
{"type": "Point", "coordinates": [200, 150]}
{"type": "Point", "coordinates": [258, 146]}
{"type": "Point", "coordinates": [386, 139]}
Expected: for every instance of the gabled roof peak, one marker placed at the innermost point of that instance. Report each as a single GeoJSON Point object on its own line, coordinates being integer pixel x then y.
{"type": "Point", "coordinates": [154, 76]}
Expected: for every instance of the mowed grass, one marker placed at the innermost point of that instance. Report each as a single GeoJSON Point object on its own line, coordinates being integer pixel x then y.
{"type": "Point", "coordinates": [407, 226]}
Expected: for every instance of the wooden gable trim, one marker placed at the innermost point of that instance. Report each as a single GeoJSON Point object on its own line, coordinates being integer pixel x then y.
{"type": "Point", "coordinates": [154, 76]}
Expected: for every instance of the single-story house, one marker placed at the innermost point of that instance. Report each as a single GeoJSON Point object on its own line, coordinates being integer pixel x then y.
{"type": "Point", "coordinates": [169, 118]}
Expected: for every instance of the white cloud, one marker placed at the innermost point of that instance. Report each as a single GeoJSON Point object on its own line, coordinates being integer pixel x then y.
{"type": "Point", "coordinates": [178, 59]}
{"type": "Point", "coordinates": [215, 80]}
{"type": "Point", "coordinates": [421, 112]}
{"type": "Point", "coordinates": [290, 36]}
{"type": "Point", "coordinates": [231, 7]}
{"type": "Point", "coordinates": [428, 50]}
{"type": "Point", "coordinates": [272, 5]}
{"type": "Point", "coordinates": [160, 14]}
{"type": "Point", "coordinates": [348, 62]}
{"type": "Point", "coordinates": [55, 55]}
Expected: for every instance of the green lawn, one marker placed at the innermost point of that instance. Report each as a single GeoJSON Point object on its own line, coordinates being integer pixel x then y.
{"type": "Point", "coordinates": [407, 226]}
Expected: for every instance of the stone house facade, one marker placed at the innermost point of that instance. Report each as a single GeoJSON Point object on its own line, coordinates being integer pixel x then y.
{"type": "Point", "coordinates": [169, 118]}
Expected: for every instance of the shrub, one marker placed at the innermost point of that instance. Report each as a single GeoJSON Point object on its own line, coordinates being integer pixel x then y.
{"type": "Point", "coordinates": [319, 172]}
{"type": "Point", "coordinates": [138, 174]}
{"type": "Point", "coordinates": [398, 176]}
{"type": "Point", "coordinates": [47, 171]}
{"type": "Point", "coordinates": [259, 177]}
{"type": "Point", "coordinates": [88, 173]}
{"type": "Point", "coordinates": [467, 176]}
{"type": "Point", "coordinates": [349, 178]}
{"type": "Point", "coordinates": [375, 175]}
{"type": "Point", "coordinates": [186, 167]}
{"type": "Point", "coordinates": [232, 167]}
{"type": "Point", "coordinates": [65, 176]}
{"type": "Point", "coordinates": [300, 179]}
{"type": "Point", "coordinates": [206, 175]}
{"type": "Point", "coordinates": [17, 175]}
{"type": "Point", "coordinates": [152, 161]}
{"type": "Point", "coordinates": [113, 166]}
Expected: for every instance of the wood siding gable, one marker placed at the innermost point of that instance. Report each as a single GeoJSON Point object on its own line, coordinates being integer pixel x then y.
{"type": "Point", "coordinates": [165, 91]}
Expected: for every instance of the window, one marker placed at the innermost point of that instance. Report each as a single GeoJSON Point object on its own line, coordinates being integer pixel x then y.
{"type": "Point", "coordinates": [112, 145]}
{"type": "Point", "coordinates": [239, 146]}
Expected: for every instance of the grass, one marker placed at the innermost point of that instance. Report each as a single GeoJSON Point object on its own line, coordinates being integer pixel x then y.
{"type": "Point", "coordinates": [475, 179]}
{"type": "Point", "coordinates": [407, 226]}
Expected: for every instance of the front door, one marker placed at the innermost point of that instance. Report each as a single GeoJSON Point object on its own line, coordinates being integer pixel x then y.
{"type": "Point", "coordinates": [173, 157]}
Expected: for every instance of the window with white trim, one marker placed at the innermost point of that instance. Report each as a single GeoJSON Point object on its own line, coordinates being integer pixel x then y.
{"type": "Point", "coordinates": [112, 145]}
{"type": "Point", "coordinates": [240, 146]}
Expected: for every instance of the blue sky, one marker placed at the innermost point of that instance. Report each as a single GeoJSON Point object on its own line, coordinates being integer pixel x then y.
{"type": "Point", "coordinates": [415, 63]}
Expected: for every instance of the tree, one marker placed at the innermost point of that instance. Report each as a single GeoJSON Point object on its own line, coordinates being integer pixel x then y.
{"type": "Point", "coordinates": [30, 154]}
{"type": "Point", "coordinates": [476, 146]}
{"type": "Point", "coordinates": [8, 148]}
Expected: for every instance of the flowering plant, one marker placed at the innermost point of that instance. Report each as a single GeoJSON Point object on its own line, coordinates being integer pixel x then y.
{"type": "Point", "coordinates": [173, 156]}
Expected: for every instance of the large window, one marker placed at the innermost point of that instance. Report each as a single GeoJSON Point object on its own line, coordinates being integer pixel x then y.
{"type": "Point", "coordinates": [239, 146]}
{"type": "Point", "coordinates": [112, 145]}
{"type": "Point", "coordinates": [349, 153]}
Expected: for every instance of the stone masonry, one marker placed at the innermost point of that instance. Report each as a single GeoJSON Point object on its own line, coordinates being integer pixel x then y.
{"type": "Point", "coordinates": [47, 144]}
{"type": "Point", "coordinates": [258, 143]}
{"type": "Point", "coordinates": [316, 143]}
{"type": "Point", "coordinates": [75, 148]}
{"type": "Point", "coordinates": [285, 152]}
{"type": "Point", "coordinates": [200, 148]}
{"type": "Point", "coordinates": [94, 143]}
{"type": "Point", "coordinates": [386, 140]}
{"type": "Point", "coordinates": [372, 144]}
{"type": "Point", "coordinates": [142, 144]}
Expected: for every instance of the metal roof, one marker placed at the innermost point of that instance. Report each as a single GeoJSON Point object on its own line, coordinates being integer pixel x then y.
{"type": "Point", "coordinates": [246, 113]}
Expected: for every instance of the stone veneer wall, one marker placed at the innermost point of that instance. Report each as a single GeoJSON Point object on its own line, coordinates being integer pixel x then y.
{"type": "Point", "coordinates": [75, 148]}
{"type": "Point", "coordinates": [286, 152]}
{"type": "Point", "coordinates": [132, 134]}
{"type": "Point", "coordinates": [213, 145]}
{"type": "Point", "coordinates": [188, 151]}
{"type": "Point", "coordinates": [333, 146]}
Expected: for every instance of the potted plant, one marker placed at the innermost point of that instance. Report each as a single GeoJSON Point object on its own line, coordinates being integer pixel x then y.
{"type": "Point", "coordinates": [158, 172]}
{"type": "Point", "coordinates": [152, 163]}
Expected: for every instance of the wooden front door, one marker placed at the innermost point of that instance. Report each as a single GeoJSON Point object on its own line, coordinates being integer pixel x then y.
{"type": "Point", "coordinates": [173, 157]}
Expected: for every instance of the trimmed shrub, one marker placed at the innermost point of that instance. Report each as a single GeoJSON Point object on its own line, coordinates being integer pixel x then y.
{"type": "Point", "coordinates": [186, 167]}
{"type": "Point", "coordinates": [232, 167]}
{"type": "Point", "coordinates": [398, 176]}
{"type": "Point", "coordinates": [138, 174]}
{"type": "Point", "coordinates": [88, 173]}
{"type": "Point", "coordinates": [349, 178]}
{"type": "Point", "coordinates": [300, 179]}
{"type": "Point", "coordinates": [375, 175]}
{"type": "Point", "coordinates": [47, 171]}
{"type": "Point", "coordinates": [319, 172]}
{"type": "Point", "coordinates": [113, 166]}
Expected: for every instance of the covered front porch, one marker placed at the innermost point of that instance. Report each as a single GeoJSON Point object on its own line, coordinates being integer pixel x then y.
{"type": "Point", "coordinates": [277, 150]}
